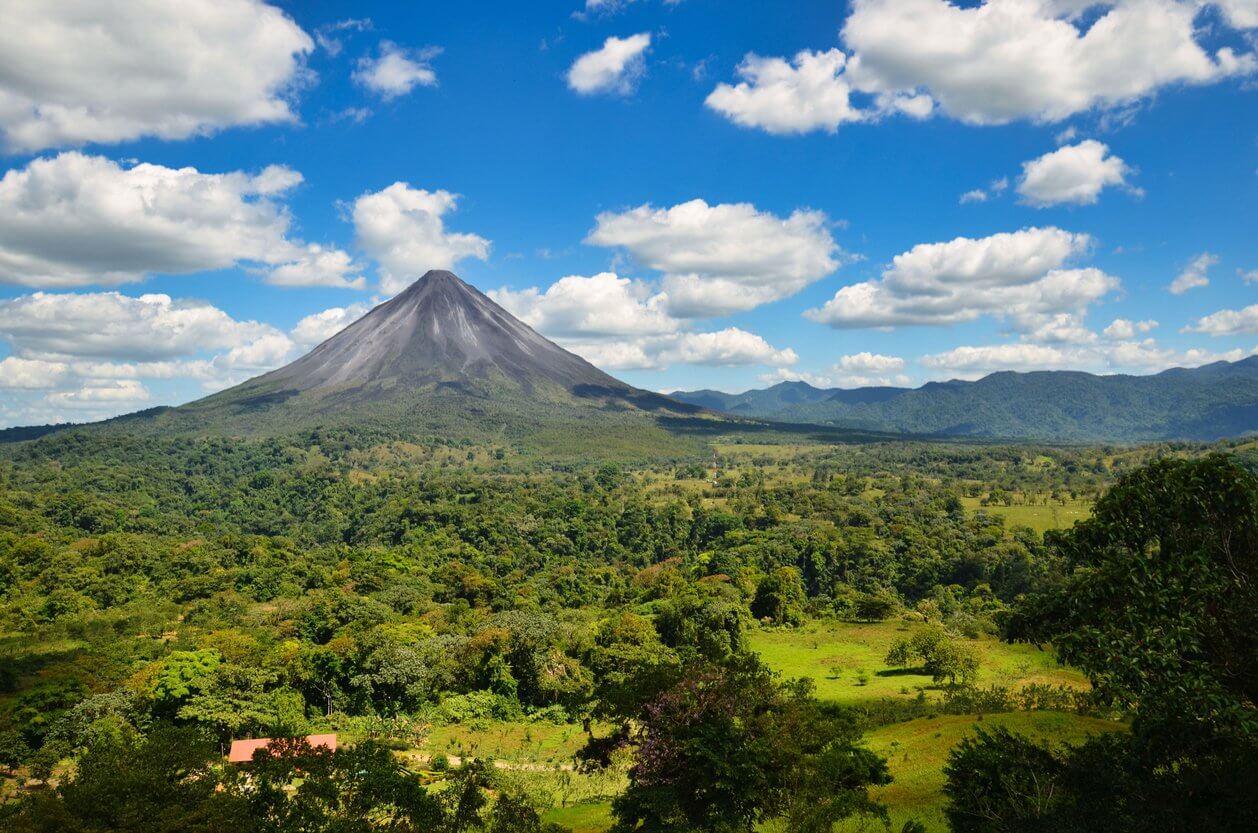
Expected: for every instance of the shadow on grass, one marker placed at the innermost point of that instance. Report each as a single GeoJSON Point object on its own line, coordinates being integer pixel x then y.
{"type": "Point", "coordinates": [902, 672]}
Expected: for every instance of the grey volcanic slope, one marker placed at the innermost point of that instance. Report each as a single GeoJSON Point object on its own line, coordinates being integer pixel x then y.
{"type": "Point", "coordinates": [438, 330]}
{"type": "Point", "coordinates": [440, 358]}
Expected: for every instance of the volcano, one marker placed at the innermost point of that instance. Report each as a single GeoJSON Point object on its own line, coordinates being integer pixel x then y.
{"type": "Point", "coordinates": [439, 358]}
{"type": "Point", "coordinates": [439, 331]}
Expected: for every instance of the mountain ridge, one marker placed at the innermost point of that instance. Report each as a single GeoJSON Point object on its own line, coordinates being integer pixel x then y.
{"type": "Point", "coordinates": [1210, 402]}
{"type": "Point", "coordinates": [443, 360]}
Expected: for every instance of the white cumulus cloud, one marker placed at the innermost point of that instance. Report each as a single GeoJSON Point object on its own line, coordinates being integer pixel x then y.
{"type": "Point", "coordinates": [623, 324]}
{"type": "Point", "coordinates": [867, 362]}
{"type": "Point", "coordinates": [318, 266]}
{"type": "Point", "coordinates": [589, 307]}
{"type": "Point", "coordinates": [1144, 356]}
{"type": "Point", "coordinates": [397, 71]}
{"type": "Point", "coordinates": [983, 360]}
{"type": "Point", "coordinates": [1057, 328]}
{"type": "Point", "coordinates": [779, 96]}
{"type": "Point", "coordinates": [1122, 329]}
{"type": "Point", "coordinates": [116, 326]}
{"type": "Point", "coordinates": [403, 229]}
{"type": "Point", "coordinates": [1018, 276]}
{"type": "Point", "coordinates": [615, 67]}
{"type": "Point", "coordinates": [1243, 14]}
{"type": "Point", "coordinates": [320, 326]}
{"type": "Point", "coordinates": [731, 346]}
{"type": "Point", "coordinates": [1228, 322]}
{"type": "Point", "coordinates": [125, 393]}
{"type": "Point", "coordinates": [79, 71]}
{"type": "Point", "coordinates": [75, 220]}
{"type": "Point", "coordinates": [720, 259]}
{"type": "Point", "coordinates": [625, 354]}
{"type": "Point", "coordinates": [991, 63]}
{"type": "Point", "coordinates": [85, 355]}
{"type": "Point", "coordinates": [1003, 60]}
{"type": "Point", "coordinates": [1071, 174]}
{"type": "Point", "coordinates": [1195, 274]}
{"type": "Point", "coordinates": [31, 374]}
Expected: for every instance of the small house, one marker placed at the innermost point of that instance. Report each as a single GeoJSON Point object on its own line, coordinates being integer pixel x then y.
{"type": "Point", "coordinates": [242, 750]}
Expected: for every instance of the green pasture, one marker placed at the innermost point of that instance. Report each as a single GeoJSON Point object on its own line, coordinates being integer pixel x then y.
{"type": "Point", "coordinates": [917, 750]}
{"type": "Point", "coordinates": [534, 743]}
{"type": "Point", "coordinates": [837, 656]}
{"type": "Point", "coordinates": [1040, 517]}
{"type": "Point", "coordinates": [536, 760]}
{"type": "Point", "coordinates": [592, 817]}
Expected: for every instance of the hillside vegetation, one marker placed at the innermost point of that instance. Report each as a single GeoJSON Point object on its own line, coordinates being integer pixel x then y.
{"type": "Point", "coordinates": [476, 620]}
{"type": "Point", "coordinates": [1205, 403]}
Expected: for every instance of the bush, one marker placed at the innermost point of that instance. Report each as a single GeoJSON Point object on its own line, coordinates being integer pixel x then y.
{"type": "Point", "coordinates": [554, 713]}
{"type": "Point", "coordinates": [478, 705]}
{"type": "Point", "coordinates": [1000, 775]}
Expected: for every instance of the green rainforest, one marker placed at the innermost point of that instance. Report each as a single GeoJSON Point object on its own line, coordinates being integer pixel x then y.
{"type": "Point", "coordinates": [767, 633]}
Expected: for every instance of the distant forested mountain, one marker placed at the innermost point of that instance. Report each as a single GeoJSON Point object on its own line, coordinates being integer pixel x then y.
{"type": "Point", "coordinates": [1217, 400]}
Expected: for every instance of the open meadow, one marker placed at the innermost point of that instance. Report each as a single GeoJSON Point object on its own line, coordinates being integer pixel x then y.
{"type": "Point", "coordinates": [847, 661]}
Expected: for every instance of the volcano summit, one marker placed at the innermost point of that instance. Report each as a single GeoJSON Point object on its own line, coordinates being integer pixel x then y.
{"type": "Point", "coordinates": [438, 358]}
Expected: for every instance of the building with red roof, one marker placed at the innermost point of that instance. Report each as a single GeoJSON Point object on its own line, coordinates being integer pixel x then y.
{"type": "Point", "coordinates": [242, 750]}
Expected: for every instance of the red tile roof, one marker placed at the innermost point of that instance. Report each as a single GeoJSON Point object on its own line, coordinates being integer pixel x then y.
{"type": "Point", "coordinates": [242, 750]}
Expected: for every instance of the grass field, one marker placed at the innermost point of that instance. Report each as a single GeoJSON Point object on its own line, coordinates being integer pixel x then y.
{"type": "Point", "coordinates": [916, 752]}
{"type": "Point", "coordinates": [834, 655]}
{"type": "Point", "coordinates": [534, 743]}
{"type": "Point", "coordinates": [593, 817]}
{"type": "Point", "coordinates": [1039, 517]}
{"type": "Point", "coordinates": [537, 757]}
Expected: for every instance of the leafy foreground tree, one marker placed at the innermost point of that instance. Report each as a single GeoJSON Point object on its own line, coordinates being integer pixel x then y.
{"type": "Point", "coordinates": [164, 782]}
{"type": "Point", "coordinates": [173, 781]}
{"type": "Point", "coordinates": [1161, 611]}
{"type": "Point", "coordinates": [727, 747]}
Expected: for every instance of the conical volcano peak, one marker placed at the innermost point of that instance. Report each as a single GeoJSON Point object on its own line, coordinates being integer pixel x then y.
{"type": "Point", "coordinates": [440, 334]}
{"type": "Point", "coordinates": [439, 281]}
{"type": "Point", "coordinates": [436, 277]}
{"type": "Point", "coordinates": [440, 353]}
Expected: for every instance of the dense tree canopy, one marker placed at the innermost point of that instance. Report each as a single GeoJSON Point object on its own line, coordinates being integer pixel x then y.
{"type": "Point", "coordinates": [1159, 608]}
{"type": "Point", "coordinates": [225, 589]}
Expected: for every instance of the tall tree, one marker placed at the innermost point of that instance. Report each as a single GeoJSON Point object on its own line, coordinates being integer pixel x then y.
{"type": "Point", "coordinates": [1160, 610]}
{"type": "Point", "coordinates": [728, 748]}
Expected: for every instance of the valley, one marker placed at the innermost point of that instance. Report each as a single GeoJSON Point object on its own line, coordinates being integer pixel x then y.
{"type": "Point", "coordinates": [628, 416]}
{"type": "Point", "coordinates": [405, 593]}
{"type": "Point", "coordinates": [488, 569]}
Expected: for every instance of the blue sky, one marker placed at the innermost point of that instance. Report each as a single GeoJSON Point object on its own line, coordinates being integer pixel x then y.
{"type": "Point", "coordinates": [889, 191]}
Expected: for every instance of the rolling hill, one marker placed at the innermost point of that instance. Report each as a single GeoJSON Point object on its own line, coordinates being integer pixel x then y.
{"type": "Point", "coordinates": [441, 360]}
{"type": "Point", "coordinates": [1204, 403]}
